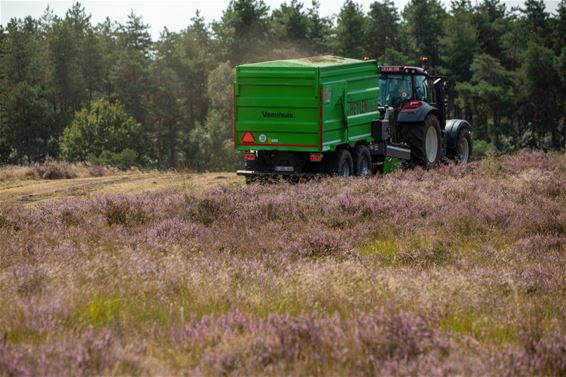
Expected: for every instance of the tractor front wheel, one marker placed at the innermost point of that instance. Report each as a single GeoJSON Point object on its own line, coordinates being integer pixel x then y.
{"type": "Point", "coordinates": [464, 147]}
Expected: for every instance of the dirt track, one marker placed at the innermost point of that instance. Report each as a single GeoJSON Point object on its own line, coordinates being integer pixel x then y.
{"type": "Point", "coordinates": [37, 190]}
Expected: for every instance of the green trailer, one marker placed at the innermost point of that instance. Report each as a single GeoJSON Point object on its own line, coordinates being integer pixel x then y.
{"type": "Point", "coordinates": [301, 104]}
{"type": "Point", "coordinates": [312, 116]}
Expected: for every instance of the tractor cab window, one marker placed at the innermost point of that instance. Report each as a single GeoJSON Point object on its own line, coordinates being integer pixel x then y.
{"type": "Point", "coordinates": [421, 88]}
{"type": "Point", "coordinates": [395, 89]}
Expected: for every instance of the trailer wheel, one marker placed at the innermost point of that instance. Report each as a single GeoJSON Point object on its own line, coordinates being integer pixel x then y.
{"type": "Point", "coordinates": [362, 161]}
{"type": "Point", "coordinates": [464, 147]}
{"type": "Point", "coordinates": [341, 164]}
{"type": "Point", "coordinates": [425, 140]}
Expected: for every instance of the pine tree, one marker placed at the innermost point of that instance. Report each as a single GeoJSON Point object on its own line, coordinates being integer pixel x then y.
{"type": "Point", "coordinates": [460, 42]}
{"type": "Point", "coordinates": [197, 55]}
{"type": "Point", "coordinates": [318, 29]}
{"type": "Point", "coordinates": [350, 31]}
{"type": "Point", "coordinates": [423, 21]}
{"type": "Point", "coordinates": [289, 24]}
{"type": "Point", "coordinates": [130, 74]}
{"type": "Point", "coordinates": [243, 30]}
{"type": "Point", "coordinates": [27, 121]}
{"type": "Point", "coordinates": [536, 20]}
{"type": "Point", "coordinates": [214, 138]}
{"type": "Point", "coordinates": [559, 35]}
{"type": "Point", "coordinates": [489, 94]}
{"type": "Point", "coordinates": [562, 97]}
{"type": "Point", "coordinates": [541, 90]}
{"type": "Point", "coordinates": [106, 35]}
{"type": "Point", "coordinates": [4, 147]}
{"type": "Point", "coordinates": [165, 107]}
{"type": "Point", "coordinates": [383, 28]}
{"type": "Point", "coordinates": [70, 62]}
{"type": "Point", "coordinates": [489, 20]}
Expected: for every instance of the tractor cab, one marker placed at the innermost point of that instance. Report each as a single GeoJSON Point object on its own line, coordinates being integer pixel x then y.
{"type": "Point", "coordinates": [409, 89]}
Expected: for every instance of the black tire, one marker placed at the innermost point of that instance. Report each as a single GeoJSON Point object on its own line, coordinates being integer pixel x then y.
{"type": "Point", "coordinates": [340, 164]}
{"type": "Point", "coordinates": [415, 135]}
{"type": "Point", "coordinates": [362, 161]}
{"type": "Point", "coordinates": [463, 153]}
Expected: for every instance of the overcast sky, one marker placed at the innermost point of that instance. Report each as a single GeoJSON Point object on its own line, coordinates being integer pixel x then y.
{"type": "Point", "coordinates": [175, 14]}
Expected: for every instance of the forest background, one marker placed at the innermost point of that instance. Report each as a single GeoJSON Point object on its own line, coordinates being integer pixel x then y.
{"type": "Point", "coordinates": [107, 93]}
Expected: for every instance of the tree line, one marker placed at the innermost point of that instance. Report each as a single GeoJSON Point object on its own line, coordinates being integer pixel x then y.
{"type": "Point", "coordinates": [107, 93]}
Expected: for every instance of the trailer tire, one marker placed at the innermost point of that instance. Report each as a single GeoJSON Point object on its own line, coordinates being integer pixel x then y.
{"type": "Point", "coordinates": [340, 164]}
{"type": "Point", "coordinates": [425, 141]}
{"type": "Point", "coordinates": [362, 161]}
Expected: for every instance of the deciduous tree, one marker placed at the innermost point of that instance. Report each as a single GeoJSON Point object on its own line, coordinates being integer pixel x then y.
{"type": "Point", "coordinates": [103, 127]}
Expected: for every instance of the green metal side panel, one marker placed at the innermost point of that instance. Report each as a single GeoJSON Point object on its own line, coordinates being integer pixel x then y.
{"type": "Point", "coordinates": [350, 103]}
{"type": "Point", "coordinates": [309, 105]}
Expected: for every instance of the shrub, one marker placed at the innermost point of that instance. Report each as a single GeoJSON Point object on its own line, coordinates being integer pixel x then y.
{"type": "Point", "coordinates": [124, 159]}
{"type": "Point", "coordinates": [51, 169]}
{"type": "Point", "coordinates": [104, 131]}
{"type": "Point", "coordinates": [483, 149]}
{"type": "Point", "coordinates": [16, 172]}
{"type": "Point", "coordinates": [97, 171]}
{"type": "Point", "coordinates": [120, 210]}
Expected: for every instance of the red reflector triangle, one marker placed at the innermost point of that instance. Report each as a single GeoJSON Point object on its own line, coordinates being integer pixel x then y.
{"type": "Point", "coordinates": [248, 138]}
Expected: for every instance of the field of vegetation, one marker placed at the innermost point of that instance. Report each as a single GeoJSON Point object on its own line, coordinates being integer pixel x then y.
{"type": "Point", "coordinates": [52, 180]}
{"type": "Point", "coordinates": [456, 271]}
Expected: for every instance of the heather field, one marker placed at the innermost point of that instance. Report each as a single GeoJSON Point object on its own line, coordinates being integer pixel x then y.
{"type": "Point", "coordinates": [456, 271]}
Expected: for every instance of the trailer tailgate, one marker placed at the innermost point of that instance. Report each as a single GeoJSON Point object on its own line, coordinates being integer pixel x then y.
{"type": "Point", "coordinates": [277, 108]}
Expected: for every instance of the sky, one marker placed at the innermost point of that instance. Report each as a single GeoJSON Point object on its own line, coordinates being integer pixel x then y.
{"type": "Point", "coordinates": [174, 14]}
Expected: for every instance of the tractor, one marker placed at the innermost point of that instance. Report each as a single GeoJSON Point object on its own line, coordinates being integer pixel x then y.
{"type": "Point", "coordinates": [418, 120]}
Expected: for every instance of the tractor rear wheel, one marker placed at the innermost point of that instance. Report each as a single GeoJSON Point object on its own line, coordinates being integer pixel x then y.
{"type": "Point", "coordinates": [340, 164]}
{"type": "Point", "coordinates": [425, 140]}
{"type": "Point", "coordinates": [362, 161]}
